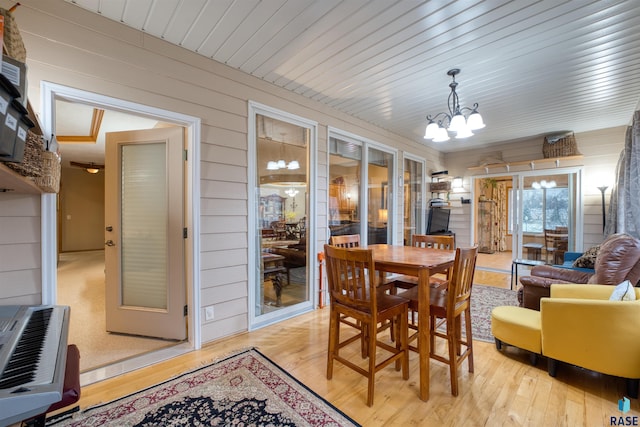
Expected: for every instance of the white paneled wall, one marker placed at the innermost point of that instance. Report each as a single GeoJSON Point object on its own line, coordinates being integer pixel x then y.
{"type": "Point", "coordinates": [20, 274]}
{"type": "Point", "coordinates": [600, 150]}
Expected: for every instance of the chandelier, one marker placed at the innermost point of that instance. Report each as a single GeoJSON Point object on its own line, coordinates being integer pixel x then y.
{"type": "Point", "coordinates": [454, 120]}
{"type": "Point", "coordinates": [291, 192]}
{"type": "Point", "coordinates": [274, 165]}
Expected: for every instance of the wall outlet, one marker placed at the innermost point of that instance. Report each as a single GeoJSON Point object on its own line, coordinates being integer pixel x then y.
{"type": "Point", "coordinates": [208, 313]}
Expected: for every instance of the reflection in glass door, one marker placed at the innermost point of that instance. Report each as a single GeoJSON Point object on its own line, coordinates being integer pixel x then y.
{"type": "Point", "coordinates": [282, 277]}
{"type": "Point", "coordinates": [414, 206]}
{"type": "Point", "coordinates": [345, 167]}
{"type": "Point", "coordinates": [380, 196]}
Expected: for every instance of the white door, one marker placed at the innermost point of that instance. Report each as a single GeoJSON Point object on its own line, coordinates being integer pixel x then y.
{"type": "Point", "coordinates": [144, 242]}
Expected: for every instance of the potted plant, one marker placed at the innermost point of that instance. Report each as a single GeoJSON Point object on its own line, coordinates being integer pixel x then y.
{"type": "Point", "coordinates": [487, 186]}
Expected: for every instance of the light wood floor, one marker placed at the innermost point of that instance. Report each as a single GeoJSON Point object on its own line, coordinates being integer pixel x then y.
{"type": "Point", "coordinates": [505, 389]}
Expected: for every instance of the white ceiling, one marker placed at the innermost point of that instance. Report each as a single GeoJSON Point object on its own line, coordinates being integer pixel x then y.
{"type": "Point", "coordinates": [534, 67]}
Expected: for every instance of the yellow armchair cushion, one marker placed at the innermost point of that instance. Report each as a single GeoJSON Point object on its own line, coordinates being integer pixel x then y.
{"type": "Point", "coordinates": [582, 327]}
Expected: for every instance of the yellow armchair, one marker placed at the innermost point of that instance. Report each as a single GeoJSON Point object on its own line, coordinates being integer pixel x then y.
{"type": "Point", "coordinates": [582, 327]}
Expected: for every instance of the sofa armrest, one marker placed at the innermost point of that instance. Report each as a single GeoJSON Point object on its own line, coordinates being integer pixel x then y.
{"type": "Point", "coordinates": [533, 288]}
{"type": "Point", "coordinates": [560, 274]}
{"type": "Point", "coordinates": [599, 335]}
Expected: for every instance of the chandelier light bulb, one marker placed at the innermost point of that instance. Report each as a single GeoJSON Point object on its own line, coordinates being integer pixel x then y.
{"type": "Point", "coordinates": [441, 135]}
{"type": "Point", "coordinates": [458, 123]}
{"type": "Point", "coordinates": [282, 164]}
{"type": "Point", "coordinates": [464, 132]}
{"type": "Point", "coordinates": [430, 132]}
{"type": "Point", "coordinates": [293, 165]}
{"type": "Point", "coordinates": [272, 166]}
{"type": "Point", "coordinates": [475, 122]}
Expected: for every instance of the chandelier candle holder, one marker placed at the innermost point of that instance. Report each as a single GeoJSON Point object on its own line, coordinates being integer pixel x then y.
{"type": "Point", "coordinates": [454, 120]}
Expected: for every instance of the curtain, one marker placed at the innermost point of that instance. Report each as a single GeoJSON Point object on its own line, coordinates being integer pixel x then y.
{"type": "Point", "coordinates": [624, 204]}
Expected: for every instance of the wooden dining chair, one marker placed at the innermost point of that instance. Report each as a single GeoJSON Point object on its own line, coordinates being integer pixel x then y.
{"type": "Point", "coordinates": [353, 293]}
{"type": "Point", "coordinates": [555, 242]}
{"type": "Point", "coordinates": [447, 308]}
{"type": "Point", "coordinates": [353, 241]}
{"type": "Point", "coordinates": [442, 242]}
{"type": "Point", "coordinates": [345, 241]}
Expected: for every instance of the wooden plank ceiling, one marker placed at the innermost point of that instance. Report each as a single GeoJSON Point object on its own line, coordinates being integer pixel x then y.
{"type": "Point", "coordinates": [534, 67]}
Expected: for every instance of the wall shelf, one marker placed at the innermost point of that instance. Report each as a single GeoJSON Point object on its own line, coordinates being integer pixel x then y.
{"type": "Point", "coordinates": [506, 166]}
{"type": "Point", "coordinates": [12, 181]}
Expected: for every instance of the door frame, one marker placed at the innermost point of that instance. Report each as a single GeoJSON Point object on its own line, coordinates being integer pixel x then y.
{"type": "Point", "coordinates": [49, 93]}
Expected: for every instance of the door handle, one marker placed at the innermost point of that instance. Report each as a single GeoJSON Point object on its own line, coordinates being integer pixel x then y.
{"type": "Point", "coordinates": [109, 228]}
{"type": "Point", "coordinates": [109, 243]}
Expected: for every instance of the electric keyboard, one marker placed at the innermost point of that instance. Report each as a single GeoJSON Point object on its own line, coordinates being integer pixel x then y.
{"type": "Point", "coordinates": [33, 351]}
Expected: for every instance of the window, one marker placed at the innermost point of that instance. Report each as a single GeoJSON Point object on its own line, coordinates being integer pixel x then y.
{"type": "Point", "coordinates": [544, 208]}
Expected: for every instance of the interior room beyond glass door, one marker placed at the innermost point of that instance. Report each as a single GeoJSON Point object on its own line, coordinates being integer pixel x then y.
{"type": "Point", "coordinates": [282, 216]}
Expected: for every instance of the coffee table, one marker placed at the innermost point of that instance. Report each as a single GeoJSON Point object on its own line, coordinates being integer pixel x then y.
{"type": "Point", "coordinates": [519, 261]}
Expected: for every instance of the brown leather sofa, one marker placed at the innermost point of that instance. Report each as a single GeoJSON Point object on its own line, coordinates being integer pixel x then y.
{"type": "Point", "coordinates": [295, 255]}
{"type": "Point", "coordinates": [618, 260]}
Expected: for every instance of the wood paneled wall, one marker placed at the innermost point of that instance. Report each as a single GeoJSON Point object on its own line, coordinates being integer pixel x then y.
{"type": "Point", "coordinates": [70, 46]}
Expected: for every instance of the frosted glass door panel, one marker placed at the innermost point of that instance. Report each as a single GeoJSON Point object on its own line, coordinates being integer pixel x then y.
{"type": "Point", "coordinates": [144, 226]}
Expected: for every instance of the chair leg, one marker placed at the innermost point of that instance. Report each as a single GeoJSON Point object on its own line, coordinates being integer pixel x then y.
{"type": "Point", "coordinates": [453, 362]}
{"type": "Point", "coordinates": [372, 361]}
{"type": "Point", "coordinates": [632, 387]}
{"type": "Point", "coordinates": [404, 338]}
{"type": "Point", "coordinates": [334, 329]}
{"type": "Point", "coordinates": [498, 344]}
{"type": "Point", "coordinates": [552, 367]}
{"type": "Point", "coordinates": [469, 338]}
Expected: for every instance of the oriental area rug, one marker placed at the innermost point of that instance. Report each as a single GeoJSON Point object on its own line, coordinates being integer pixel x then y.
{"type": "Point", "coordinates": [246, 389]}
{"type": "Point", "coordinates": [483, 300]}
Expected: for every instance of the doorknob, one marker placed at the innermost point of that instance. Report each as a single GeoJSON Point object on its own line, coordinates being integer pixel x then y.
{"type": "Point", "coordinates": [109, 243]}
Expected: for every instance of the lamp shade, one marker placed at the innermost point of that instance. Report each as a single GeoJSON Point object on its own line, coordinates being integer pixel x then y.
{"type": "Point", "coordinates": [293, 165]}
{"type": "Point", "coordinates": [272, 166]}
{"type": "Point", "coordinates": [431, 131]}
{"type": "Point", "coordinates": [475, 122]}
{"type": "Point", "coordinates": [457, 122]}
{"type": "Point", "coordinates": [441, 135]}
{"type": "Point", "coordinates": [464, 132]}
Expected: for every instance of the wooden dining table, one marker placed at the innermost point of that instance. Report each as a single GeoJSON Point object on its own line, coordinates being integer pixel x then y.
{"type": "Point", "coordinates": [421, 263]}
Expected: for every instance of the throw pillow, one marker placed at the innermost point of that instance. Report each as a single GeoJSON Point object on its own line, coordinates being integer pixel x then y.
{"type": "Point", "coordinates": [588, 258]}
{"type": "Point", "coordinates": [623, 292]}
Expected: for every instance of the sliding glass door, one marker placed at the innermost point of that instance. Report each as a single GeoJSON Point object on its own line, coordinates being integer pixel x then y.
{"type": "Point", "coordinates": [281, 212]}
{"type": "Point", "coordinates": [525, 204]}
{"type": "Point", "coordinates": [354, 208]}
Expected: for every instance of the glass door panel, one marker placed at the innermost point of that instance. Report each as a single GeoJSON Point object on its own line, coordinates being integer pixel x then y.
{"type": "Point", "coordinates": [345, 166]}
{"type": "Point", "coordinates": [282, 215]}
{"type": "Point", "coordinates": [413, 201]}
{"type": "Point", "coordinates": [380, 196]}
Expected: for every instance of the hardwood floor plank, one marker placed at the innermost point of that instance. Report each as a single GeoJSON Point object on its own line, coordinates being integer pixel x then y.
{"type": "Point", "coordinates": [504, 390]}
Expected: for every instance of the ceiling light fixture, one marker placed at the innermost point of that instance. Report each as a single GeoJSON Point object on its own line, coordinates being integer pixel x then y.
{"type": "Point", "coordinates": [281, 164]}
{"type": "Point", "coordinates": [455, 120]}
{"type": "Point", "coordinates": [291, 192]}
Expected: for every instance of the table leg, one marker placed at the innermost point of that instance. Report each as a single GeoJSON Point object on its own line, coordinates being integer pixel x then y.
{"type": "Point", "coordinates": [514, 274]}
{"type": "Point", "coordinates": [423, 331]}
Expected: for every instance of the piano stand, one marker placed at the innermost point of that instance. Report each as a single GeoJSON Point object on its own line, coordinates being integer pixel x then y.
{"type": "Point", "coordinates": [70, 390]}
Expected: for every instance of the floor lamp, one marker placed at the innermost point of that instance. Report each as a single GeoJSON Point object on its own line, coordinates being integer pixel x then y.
{"type": "Point", "coordinates": [602, 190]}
